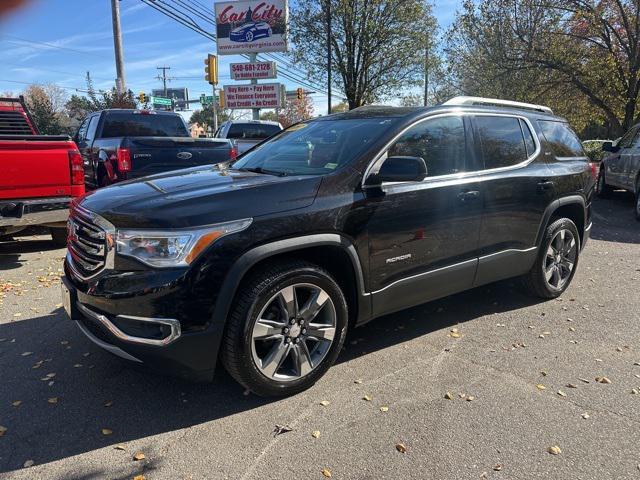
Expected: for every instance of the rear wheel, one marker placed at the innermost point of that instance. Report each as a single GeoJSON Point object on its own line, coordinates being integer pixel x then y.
{"type": "Point", "coordinates": [59, 236]}
{"type": "Point", "coordinates": [286, 328]}
{"type": "Point", "coordinates": [602, 189]}
{"type": "Point", "coordinates": [557, 260]}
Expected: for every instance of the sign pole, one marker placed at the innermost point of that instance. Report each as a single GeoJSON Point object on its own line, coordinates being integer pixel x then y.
{"type": "Point", "coordinates": [215, 109]}
{"type": "Point", "coordinates": [256, 111]}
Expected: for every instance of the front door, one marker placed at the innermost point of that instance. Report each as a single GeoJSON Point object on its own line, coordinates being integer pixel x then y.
{"type": "Point", "coordinates": [616, 164]}
{"type": "Point", "coordinates": [423, 235]}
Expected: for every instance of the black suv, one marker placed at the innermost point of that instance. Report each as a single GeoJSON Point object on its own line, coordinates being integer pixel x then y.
{"type": "Point", "coordinates": [265, 262]}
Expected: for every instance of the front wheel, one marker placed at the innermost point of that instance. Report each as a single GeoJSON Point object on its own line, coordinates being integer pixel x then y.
{"type": "Point", "coordinates": [286, 328]}
{"type": "Point", "coordinates": [557, 260]}
{"type": "Point", "coordinates": [248, 36]}
{"type": "Point", "coordinates": [602, 189]}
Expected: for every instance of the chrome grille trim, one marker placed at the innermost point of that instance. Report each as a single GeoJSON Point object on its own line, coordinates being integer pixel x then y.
{"type": "Point", "coordinates": [90, 244]}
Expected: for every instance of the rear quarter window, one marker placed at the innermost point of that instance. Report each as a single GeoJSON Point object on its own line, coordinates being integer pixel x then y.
{"type": "Point", "coordinates": [563, 141]}
{"type": "Point", "coordinates": [501, 139]}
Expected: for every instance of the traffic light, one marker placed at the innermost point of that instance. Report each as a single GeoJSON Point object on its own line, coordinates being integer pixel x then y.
{"type": "Point", "coordinates": [143, 97]}
{"type": "Point", "coordinates": [221, 96]}
{"type": "Point", "coordinates": [211, 69]}
{"type": "Point", "coordinates": [300, 93]}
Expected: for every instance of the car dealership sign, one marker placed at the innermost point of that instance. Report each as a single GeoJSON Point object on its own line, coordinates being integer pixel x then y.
{"type": "Point", "coordinates": [260, 95]}
{"type": "Point", "coordinates": [249, 71]}
{"type": "Point", "coordinates": [251, 26]}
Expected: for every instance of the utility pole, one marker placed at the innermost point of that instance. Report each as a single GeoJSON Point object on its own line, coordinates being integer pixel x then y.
{"type": "Point", "coordinates": [426, 72]}
{"type": "Point", "coordinates": [117, 44]}
{"type": "Point", "coordinates": [164, 78]}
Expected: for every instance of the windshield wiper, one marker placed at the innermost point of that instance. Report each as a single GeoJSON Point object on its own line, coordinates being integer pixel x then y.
{"type": "Point", "coordinates": [264, 171]}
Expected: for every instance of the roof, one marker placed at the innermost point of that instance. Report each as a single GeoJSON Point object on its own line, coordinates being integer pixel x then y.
{"type": "Point", "coordinates": [262, 122]}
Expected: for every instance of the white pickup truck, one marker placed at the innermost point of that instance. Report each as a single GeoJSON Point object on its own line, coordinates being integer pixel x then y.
{"type": "Point", "coordinates": [247, 133]}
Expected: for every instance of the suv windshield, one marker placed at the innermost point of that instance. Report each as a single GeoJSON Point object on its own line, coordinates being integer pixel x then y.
{"type": "Point", "coordinates": [252, 131]}
{"type": "Point", "coordinates": [125, 124]}
{"type": "Point", "coordinates": [314, 148]}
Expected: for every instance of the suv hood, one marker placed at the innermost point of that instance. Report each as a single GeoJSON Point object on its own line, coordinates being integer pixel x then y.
{"type": "Point", "coordinates": [199, 196]}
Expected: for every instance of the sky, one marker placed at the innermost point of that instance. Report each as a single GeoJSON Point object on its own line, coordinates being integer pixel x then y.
{"type": "Point", "coordinates": [58, 41]}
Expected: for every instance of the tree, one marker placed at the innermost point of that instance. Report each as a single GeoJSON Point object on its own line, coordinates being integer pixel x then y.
{"type": "Point", "coordinates": [45, 104]}
{"type": "Point", "coordinates": [377, 45]}
{"type": "Point", "coordinates": [204, 117]}
{"type": "Point", "coordinates": [340, 107]}
{"type": "Point", "coordinates": [580, 56]}
{"type": "Point", "coordinates": [412, 100]}
{"type": "Point", "coordinates": [296, 111]}
{"type": "Point", "coordinates": [271, 116]}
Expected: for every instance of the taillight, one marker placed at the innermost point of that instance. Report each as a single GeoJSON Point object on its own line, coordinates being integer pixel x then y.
{"type": "Point", "coordinates": [233, 153]}
{"type": "Point", "coordinates": [594, 170]}
{"type": "Point", "coordinates": [77, 167]}
{"type": "Point", "coordinates": [124, 159]}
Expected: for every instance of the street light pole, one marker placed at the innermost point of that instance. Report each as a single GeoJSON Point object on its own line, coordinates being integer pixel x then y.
{"type": "Point", "coordinates": [117, 44]}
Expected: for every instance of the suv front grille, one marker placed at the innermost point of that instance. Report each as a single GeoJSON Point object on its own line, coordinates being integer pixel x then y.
{"type": "Point", "coordinates": [86, 243]}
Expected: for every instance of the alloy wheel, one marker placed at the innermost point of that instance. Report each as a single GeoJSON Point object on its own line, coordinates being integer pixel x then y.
{"type": "Point", "coordinates": [293, 332]}
{"type": "Point", "coordinates": [560, 259]}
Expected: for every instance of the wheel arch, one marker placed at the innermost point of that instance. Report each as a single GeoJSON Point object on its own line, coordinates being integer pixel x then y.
{"type": "Point", "coordinates": [572, 207]}
{"type": "Point", "coordinates": [330, 251]}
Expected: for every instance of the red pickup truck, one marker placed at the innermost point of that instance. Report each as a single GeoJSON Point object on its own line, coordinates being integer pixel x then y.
{"type": "Point", "coordinates": [39, 174]}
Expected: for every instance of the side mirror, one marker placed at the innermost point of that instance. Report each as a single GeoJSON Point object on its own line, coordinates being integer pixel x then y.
{"type": "Point", "coordinates": [609, 147]}
{"type": "Point", "coordinates": [402, 169]}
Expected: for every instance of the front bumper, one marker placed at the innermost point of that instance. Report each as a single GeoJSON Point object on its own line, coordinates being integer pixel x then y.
{"type": "Point", "coordinates": [161, 344]}
{"type": "Point", "coordinates": [41, 211]}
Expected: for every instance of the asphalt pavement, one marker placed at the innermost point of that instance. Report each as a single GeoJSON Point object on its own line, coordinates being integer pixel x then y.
{"type": "Point", "coordinates": [478, 385]}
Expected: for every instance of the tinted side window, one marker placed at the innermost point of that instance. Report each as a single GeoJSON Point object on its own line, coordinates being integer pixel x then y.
{"type": "Point", "coordinates": [625, 141]}
{"type": "Point", "coordinates": [528, 138]}
{"type": "Point", "coordinates": [563, 141]}
{"type": "Point", "coordinates": [440, 142]}
{"type": "Point", "coordinates": [501, 141]}
{"type": "Point", "coordinates": [254, 131]}
{"type": "Point", "coordinates": [91, 129]}
{"type": "Point", "coordinates": [124, 124]}
{"type": "Point", "coordinates": [82, 131]}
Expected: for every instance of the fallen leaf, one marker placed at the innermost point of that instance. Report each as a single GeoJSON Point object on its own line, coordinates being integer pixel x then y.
{"type": "Point", "coordinates": [448, 396]}
{"type": "Point", "coordinates": [17, 403]}
{"type": "Point", "coordinates": [53, 400]}
{"type": "Point", "coordinates": [497, 467]}
{"type": "Point", "coordinates": [326, 472]}
{"type": "Point", "coordinates": [384, 409]}
{"type": "Point", "coordinates": [401, 447]}
{"type": "Point", "coordinates": [571, 385]}
{"type": "Point", "coordinates": [28, 463]}
{"type": "Point", "coordinates": [602, 380]}
{"type": "Point", "coordinates": [324, 403]}
{"type": "Point", "coordinates": [17, 315]}
{"type": "Point", "coordinates": [3, 430]}
{"type": "Point", "coordinates": [106, 431]}
{"type": "Point", "coordinates": [584, 380]}
{"type": "Point", "coordinates": [315, 434]}
{"type": "Point", "coordinates": [119, 447]}
{"type": "Point", "coordinates": [470, 398]}
{"type": "Point", "coordinates": [280, 429]}
{"type": "Point", "coordinates": [139, 477]}
{"type": "Point", "coordinates": [541, 387]}
{"type": "Point", "coordinates": [357, 381]}
{"type": "Point", "coordinates": [543, 373]}
{"type": "Point", "coordinates": [58, 305]}
{"type": "Point", "coordinates": [561, 393]}
{"type": "Point", "coordinates": [555, 450]}
{"type": "Point", "coordinates": [139, 456]}
{"type": "Point", "coordinates": [585, 415]}
{"type": "Point", "coordinates": [635, 391]}
{"type": "Point", "coordinates": [366, 398]}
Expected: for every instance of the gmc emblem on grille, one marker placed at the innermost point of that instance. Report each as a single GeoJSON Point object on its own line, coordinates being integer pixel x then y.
{"type": "Point", "coordinates": [184, 155]}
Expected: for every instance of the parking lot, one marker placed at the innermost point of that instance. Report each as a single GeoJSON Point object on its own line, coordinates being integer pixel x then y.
{"type": "Point", "coordinates": [477, 385]}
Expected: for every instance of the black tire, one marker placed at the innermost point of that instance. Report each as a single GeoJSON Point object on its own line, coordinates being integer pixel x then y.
{"type": "Point", "coordinates": [602, 189]}
{"type": "Point", "coordinates": [253, 295]}
{"type": "Point", "coordinates": [59, 236]}
{"type": "Point", "coordinates": [535, 282]}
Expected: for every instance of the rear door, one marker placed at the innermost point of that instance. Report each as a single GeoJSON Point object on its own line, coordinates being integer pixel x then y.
{"type": "Point", "coordinates": [630, 163]}
{"type": "Point", "coordinates": [423, 236]}
{"type": "Point", "coordinates": [615, 165]}
{"type": "Point", "coordinates": [517, 187]}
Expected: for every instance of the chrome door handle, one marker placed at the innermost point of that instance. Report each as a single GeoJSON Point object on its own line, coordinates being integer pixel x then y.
{"type": "Point", "coordinates": [468, 195]}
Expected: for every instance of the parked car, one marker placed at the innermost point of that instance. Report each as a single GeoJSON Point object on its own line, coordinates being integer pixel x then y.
{"type": "Point", "coordinates": [250, 31]}
{"type": "Point", "coordinates": [265, 262]}
{"type": "Point", "coordinates": [593, 149]}
{"type": "Point", "coordinates": [122, 144]}
{"type": "Point", "coordinates": [245, 134]}
{"type": "Point", "coordinates": [621, 167]}
{"type": "Point", "coordinates": [39, 174]}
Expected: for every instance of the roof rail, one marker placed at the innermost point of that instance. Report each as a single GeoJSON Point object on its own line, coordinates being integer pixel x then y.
{"type": "Point", "coordinates": [497, 102]}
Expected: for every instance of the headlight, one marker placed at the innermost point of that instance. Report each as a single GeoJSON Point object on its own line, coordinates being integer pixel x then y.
{"type": "Point", "coordinates": [173, 248]}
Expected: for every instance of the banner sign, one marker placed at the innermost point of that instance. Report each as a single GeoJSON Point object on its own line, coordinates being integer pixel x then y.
{"type": "Point", "coordinates": [248, 71]}
{"type": "Point", "coordinates": [260, 95]}
{"type": "Point", "coordinates": [251, 26]}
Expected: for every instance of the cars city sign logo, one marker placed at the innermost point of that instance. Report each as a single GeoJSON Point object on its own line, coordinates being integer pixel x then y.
{"type": "Point", "coordinates": [263, 12]}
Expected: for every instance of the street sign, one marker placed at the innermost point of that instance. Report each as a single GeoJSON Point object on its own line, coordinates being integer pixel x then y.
{"type": "Point", "coordinates": [251, 70]}
{"type": "Point", "coordinates": [251, 26]}
{"type": "Point", "coordinates": [261, 95]}
{"type": "Point", "coordinates": [206, 99]}
{"type": "Point", "coordinates": [161, 101]}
